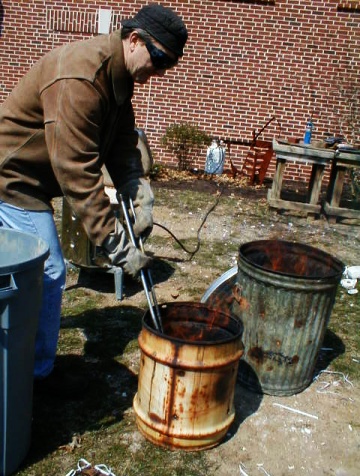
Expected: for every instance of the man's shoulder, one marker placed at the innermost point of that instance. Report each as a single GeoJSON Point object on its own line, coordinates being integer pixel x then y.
{"type": "Point", "coordinates": [80, 59]}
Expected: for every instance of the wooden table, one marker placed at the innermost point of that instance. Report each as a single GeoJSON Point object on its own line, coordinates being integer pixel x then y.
{"type": "Point", "coordinates": [301, 154]}
{"type": "Point", "coordinates": [342, 163]}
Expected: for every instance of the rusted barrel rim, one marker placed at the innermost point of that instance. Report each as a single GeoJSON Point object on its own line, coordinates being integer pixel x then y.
{"type": "Point", "coordinates": [235, 327]}
{"type": "Point", "coordinates": [336, 267]}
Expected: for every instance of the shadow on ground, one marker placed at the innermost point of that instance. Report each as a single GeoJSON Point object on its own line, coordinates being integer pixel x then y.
{"type": "Point", "coordinates": [331, 348]}
{"type": "Point", "coordinates": [246, 402]}
{"type": "Point", "coordinates": [107, 387]}
{"type": "Point", "coordinates": [98, 279]}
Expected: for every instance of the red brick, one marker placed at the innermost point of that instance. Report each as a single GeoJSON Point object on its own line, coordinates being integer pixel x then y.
{"type": "Point", "coordinates": [243, 63]}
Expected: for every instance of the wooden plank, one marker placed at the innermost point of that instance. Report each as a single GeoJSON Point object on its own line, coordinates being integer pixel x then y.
{"type": "Point", "coordinates": [341, 212]}
{"type": "Point", "coordinates": [302, 153]}
{"type": "Point", "coordinates": [317, 173]}
{"type": "Point", "coordinates": [278, 178]}
{"type": "Point", "coordinates": [350, 160]}
{"type": "Point", "coordinates": [337, 188]}
{"type": "Point", "coordinates": [298, 206]}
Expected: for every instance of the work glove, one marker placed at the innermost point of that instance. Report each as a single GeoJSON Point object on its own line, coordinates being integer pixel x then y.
{"type": "Point", "coordinates": [140, 192]}
{"type": "Point", "coordinates": [122, 253]}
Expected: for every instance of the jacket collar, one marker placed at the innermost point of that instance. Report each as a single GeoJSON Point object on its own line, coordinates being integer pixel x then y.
{"type": "Point", "coordinates": [123, 84]}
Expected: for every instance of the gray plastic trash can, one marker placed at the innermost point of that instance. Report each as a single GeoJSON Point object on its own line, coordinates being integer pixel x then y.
{"type": "Point", "coordinates": [22, 258]}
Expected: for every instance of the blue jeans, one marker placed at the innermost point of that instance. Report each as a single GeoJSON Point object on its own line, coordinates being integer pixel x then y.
{"type": "Point", "coordinates": [41, 223]}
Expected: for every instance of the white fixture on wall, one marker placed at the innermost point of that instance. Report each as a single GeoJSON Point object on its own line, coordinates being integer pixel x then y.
{"type": "Point", "coordinates": [104, 20]}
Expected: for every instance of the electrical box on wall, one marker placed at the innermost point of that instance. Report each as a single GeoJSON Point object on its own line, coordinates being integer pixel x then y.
{"type": "Point", "coordinates": [104, 20]}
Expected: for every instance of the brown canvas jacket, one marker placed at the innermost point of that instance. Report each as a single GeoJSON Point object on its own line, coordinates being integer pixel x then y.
{"type": "Point", "coordinates": [67, 117]}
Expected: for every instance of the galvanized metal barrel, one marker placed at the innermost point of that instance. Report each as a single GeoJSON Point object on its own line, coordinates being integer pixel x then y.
{"type": "Point", "coordinates": [187, 376]}
{"type": "Point", "coordinates": [285, 293]}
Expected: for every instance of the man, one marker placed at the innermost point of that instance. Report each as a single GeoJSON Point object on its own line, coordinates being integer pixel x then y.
{"type": "Point", "coordinates": [68, 116]}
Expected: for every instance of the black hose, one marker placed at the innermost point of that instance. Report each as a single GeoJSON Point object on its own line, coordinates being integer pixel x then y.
{"type": "Point", "coordinates": [192, 253]}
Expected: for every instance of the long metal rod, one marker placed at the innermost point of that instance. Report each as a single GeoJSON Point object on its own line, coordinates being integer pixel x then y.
{"type": "Point", "coordinates": [147, 271]}
{"type": "Point", "coordinates": [148, 287]}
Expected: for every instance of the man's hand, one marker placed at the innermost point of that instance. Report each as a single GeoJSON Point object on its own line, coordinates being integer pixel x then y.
{"type": "Point", "coordinates": [122, 253]}
{"type": "Point", "coordinates": [140, 192]}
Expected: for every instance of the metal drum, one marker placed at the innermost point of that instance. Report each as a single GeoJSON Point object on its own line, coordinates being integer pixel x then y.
{"type": "Point", "coordinates": [187, 376]}
{"type": "Point", "coordinates": [284, 294]}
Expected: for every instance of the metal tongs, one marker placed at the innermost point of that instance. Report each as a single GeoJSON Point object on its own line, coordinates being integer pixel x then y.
{"type": "Point", "coordinates": [145, 274]}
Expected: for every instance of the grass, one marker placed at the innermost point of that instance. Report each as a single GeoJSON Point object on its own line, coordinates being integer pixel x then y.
{"type": "Point", "coordinates": [343, 334]}
{"type": "Point", "coordinates": [101, 418]}
{"type": "Point", "coordinates": [99, 341]}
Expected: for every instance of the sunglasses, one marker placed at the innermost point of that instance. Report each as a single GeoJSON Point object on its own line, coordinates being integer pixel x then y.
{"type": "Point", "coordinates": [159, 58]}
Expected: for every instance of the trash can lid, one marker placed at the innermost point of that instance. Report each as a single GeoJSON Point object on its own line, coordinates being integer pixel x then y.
{"type": "Point", "coordinates": [19, 250]}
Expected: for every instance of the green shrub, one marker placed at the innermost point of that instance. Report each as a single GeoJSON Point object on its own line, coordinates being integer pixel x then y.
{"type": "Point", "coordinates": [185, 141]}
{"type": "Point", "coordinates": [156, 171]}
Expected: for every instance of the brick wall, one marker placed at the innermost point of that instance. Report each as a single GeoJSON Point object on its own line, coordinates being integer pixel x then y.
{"type": "Point", "coordinates": [245, 61]}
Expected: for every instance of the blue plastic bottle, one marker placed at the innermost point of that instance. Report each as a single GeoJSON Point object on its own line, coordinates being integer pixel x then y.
{"type": "Point", "coordinates": [308, 131]}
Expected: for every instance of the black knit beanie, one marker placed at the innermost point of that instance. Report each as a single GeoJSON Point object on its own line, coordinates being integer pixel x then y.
{"type": "Point", "coordinates": [161, 23]}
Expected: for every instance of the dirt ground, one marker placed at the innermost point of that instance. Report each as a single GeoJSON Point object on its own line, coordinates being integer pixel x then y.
{"type": "Point", "coordinates": [316, 432]}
